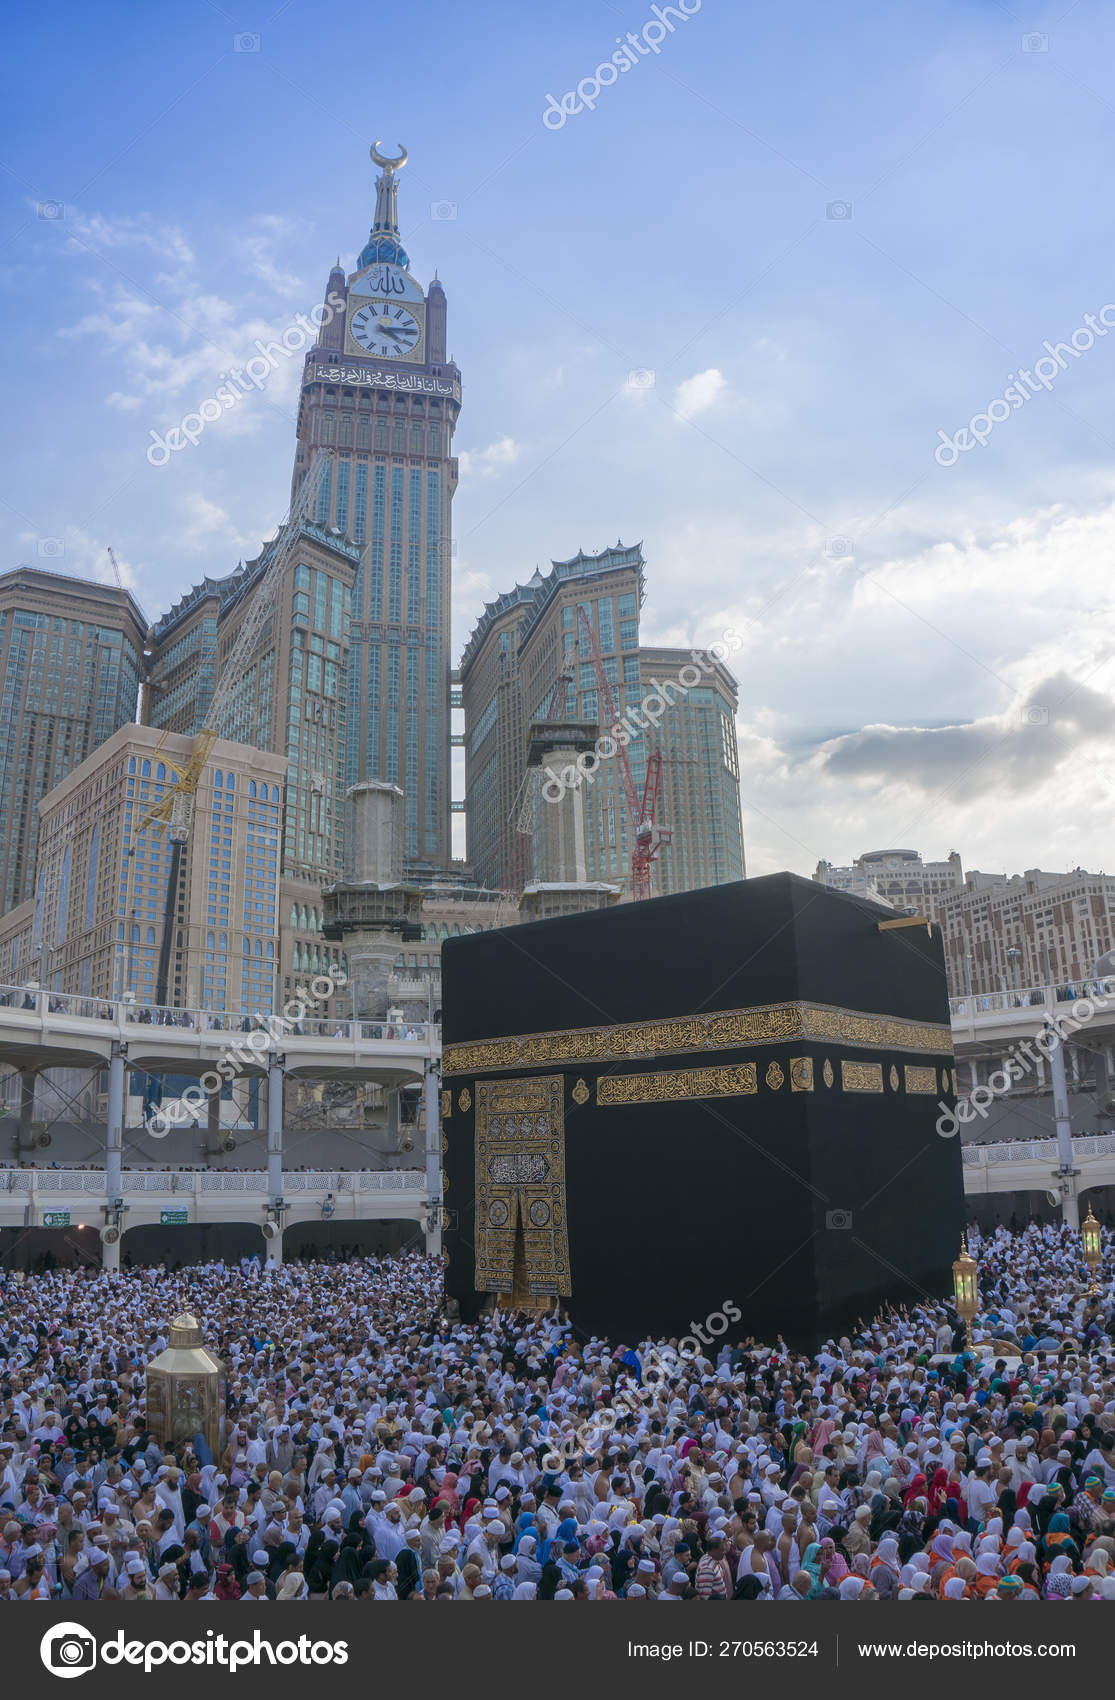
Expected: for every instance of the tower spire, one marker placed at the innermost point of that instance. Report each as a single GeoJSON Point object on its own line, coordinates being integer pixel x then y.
{"type": "Point", "coordinates": [383, 241]}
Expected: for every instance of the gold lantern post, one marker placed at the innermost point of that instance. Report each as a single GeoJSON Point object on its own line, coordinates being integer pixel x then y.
{"type": "Point", "coordinates": [1093, 1249]}
{"type": "Point", "coordinates": [965, 1289]}
{"type": "Point", "coordinates": [185, 1389]}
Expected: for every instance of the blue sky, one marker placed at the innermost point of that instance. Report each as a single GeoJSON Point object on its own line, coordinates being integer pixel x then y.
{"type": "Point", "coordinates": [926, 657]}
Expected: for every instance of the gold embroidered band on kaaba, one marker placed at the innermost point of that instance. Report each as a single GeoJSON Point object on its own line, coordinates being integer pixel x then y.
{"type": "Point", "coordinates": [722, 1030]}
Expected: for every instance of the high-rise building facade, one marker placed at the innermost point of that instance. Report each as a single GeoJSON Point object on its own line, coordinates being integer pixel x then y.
{"type": "Point", "coordinates": [292, 700]}
{"type": "Point", "coordinates": [71, 659]}
{"type": "Point", "coordinates": [381, 397]}
{"type": "Point", "coordinates": [524, 643]}
{"type": "Point", "coordinates": [696, 738]}
{"type": "Point", "coordinates": [1005, 934]}
{"type": "Point", "coordinates": [100, 905]}
{"type": "Point", "coordinates": [182, 663]}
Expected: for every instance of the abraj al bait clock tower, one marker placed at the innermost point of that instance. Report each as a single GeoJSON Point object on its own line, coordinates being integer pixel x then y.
{"type": "Point", "coordinates": [381, 397]}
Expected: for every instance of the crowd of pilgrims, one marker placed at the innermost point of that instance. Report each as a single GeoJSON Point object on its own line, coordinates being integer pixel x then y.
{"type": "Point", "coordinates": [377, 1450]}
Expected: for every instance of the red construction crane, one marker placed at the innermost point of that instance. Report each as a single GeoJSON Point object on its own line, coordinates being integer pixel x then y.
{"type": "Point", "coordinates": [649, 833]}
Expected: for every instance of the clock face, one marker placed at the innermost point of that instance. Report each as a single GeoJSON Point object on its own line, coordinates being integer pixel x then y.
{"type": "Point", "coordinates": [386, 329]}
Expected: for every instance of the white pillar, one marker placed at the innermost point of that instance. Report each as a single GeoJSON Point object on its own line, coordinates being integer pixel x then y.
{"type": "Point", "coordinates": [432, 1123]}
{"type": "Point", "coordinates": [1070, 1208]}
{"type": "Point", "coordinates": [274, 1248]}
{"type": "Point", "coordinates": [114, 1147]}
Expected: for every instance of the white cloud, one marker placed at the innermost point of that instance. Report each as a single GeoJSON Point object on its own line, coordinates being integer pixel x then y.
{"type": "Point", "coordinates": [700, 392]}
{"type": "Point", "coordinates": [77, 553]}
{"type": "Point", "coordinates": [95, 230]}
{"type": "Point", "coordinates": [270, 231]}
{"type": "Point", "coordinates": [492, 461]}
{"type": "Point", "coordinates": [206, 523]}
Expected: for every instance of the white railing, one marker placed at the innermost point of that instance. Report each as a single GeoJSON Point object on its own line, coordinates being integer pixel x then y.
{"type": "Point", "coordinates": [43, 1004]}
{"type": "Point", "coordinates": [212, 1180]}
{"type": "Point", "coordinates": [1037, 1150]}
{"type": "Point", "coordinates": [1027, 997]}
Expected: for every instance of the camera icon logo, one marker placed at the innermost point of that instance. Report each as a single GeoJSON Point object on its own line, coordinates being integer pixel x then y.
{"type": "Point", "coordinates": [68, 1649]}
{"type": "Point", "coordinates": [1035, 42]}
{"type": "Point", "coordinates": [642, 378]}
{"type": "Point", "coordinates": [838, 1219]}
{"type": "Point", "coordinates": [443, 209]}
{"type": "Point", "coordinates": [245, 43]}
{"type": "Point", "coordinates": [50, 209]}
{"type": "Point", "coordinates": [840, 549]}
{"type": "Point", "coordinates": [838, 209]}
{"type": "Point", "coordinates": [51, 547]}
{"type": "Point", "coordinates": [1036, 715]}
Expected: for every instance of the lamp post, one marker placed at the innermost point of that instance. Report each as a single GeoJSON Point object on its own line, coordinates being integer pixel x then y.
{"type": "Point", "coordinates": [1014, 957]}
{"type": "Point", "coordinates": [1093, 1250]}
{"type": "Point", "coordinates": [965, 1289]}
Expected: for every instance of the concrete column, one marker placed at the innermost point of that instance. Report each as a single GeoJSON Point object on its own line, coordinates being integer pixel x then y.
{"type": "Point", "coordinates": [432, 1121]}
{"type": "Point", "coordinates": [1070, 1207]}
{"type": "Point", "coordinates": [391, 1106]}
{"type": "Point", "coordinates": [27, 1078]}
{"type": "Point", "coordinates": [274, 1248]}
{"type": "Point", "coordinates": [114, 1145]}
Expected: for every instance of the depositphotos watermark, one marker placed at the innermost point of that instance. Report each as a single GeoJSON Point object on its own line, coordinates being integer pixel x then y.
{"type": "Point", "coordinates": [1017, 1064]}
{"type": "Point", "coordinates": [300, 334]}
{"type": "Point", "coordinates": [69, 1650]}
{"type": "Point", "coordinates": [243, 1053]}
{"type": "Point", "coordinates": [1023, 384]}
{"type": "Point", "coordinates": [634, 721]}
{"type": "Point", "coordinates": [632, 47]}
{"type": "Point", "coordinates": [588, 1436]}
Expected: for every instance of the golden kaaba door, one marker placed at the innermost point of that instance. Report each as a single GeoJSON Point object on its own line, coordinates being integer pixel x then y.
{"type": "Point", "coordinates": [520, 1189]}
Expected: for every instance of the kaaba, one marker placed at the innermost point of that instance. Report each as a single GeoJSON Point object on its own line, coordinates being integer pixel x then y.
{"type": "Point", "coordinates": [716, 1101]}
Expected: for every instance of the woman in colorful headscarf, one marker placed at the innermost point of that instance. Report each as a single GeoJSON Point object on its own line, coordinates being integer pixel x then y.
{"type": "Point", "coordinates": [448, 1496]}
{"type": "Point", "coordinates": [525, 1524]}
{"type": "Point", "coordinates": [552, 1548]}
{"type": "Point", "coordinates": [938, 1492]}
{"type": "Point", "coordinates": [911, 1530]}
{"type": "Point", "coordinates": [818, 1560]}
{"type": "Point", "coordinates": [1058, 1584]}
{"type": "Point", "coordinates": [1057, 1542]}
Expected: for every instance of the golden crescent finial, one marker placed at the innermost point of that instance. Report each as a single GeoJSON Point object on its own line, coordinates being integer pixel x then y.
{"type": "Point", "coordinates": [389, 164]}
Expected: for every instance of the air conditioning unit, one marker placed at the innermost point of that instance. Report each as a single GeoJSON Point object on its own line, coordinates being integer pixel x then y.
{"type": "Point", "coordinates": [270, 1230]}
{"type": "Point", "coordinates": [110, 1236]}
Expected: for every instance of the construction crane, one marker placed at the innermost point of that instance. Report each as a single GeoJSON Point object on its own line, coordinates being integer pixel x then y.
{"type": "Point", "coordinates": [174, 811]}
{"type": "Point", "coordinates": [115, 568]}
{"type": "Point", "coordinates": [649, 832]}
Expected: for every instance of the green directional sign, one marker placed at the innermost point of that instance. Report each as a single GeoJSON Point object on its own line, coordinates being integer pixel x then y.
{"type": "Point", "coordinates": [56, 1218]}
{"type": "Point", "coordinates": [173, 1218]}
